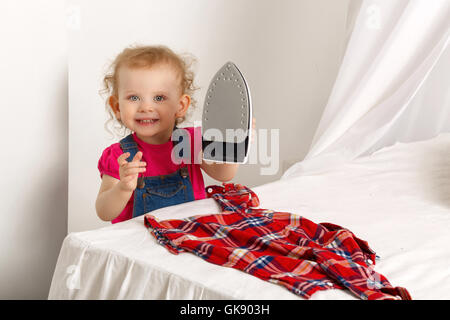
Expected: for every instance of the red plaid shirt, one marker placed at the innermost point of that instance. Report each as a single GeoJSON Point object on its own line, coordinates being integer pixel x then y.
{"type": "Point", "coordinates": [278, 247]}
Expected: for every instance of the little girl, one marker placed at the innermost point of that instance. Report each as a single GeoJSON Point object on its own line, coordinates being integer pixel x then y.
{"type": "Point", "coordinates": [149, 92]}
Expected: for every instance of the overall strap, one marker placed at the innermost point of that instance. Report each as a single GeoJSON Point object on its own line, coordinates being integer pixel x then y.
{"type": "Point", "coordinates": [129, 145]}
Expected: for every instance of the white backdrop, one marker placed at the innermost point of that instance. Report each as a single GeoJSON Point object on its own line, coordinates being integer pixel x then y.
{"type": "Point", "coordinates": [289, 52]}
{"type": "Point", "coordinates": [33, 187]}
{"type": "Point", "coordinates": [393, 84]}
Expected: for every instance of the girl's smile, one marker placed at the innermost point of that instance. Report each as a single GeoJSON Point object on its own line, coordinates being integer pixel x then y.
{"type": "Point", "coordinates": [146, 122]}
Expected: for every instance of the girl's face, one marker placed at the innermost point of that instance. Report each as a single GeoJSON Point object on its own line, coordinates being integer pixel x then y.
{"type": "Point", "coordinates": [149, 101]}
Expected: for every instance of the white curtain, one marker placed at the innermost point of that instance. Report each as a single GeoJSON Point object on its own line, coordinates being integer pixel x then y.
{"type": "Point", "coordinates": [393, 83]}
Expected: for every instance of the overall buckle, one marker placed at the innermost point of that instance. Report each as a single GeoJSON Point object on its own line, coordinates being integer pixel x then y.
{"type": "Point", "coordinates": [140, 182]}
{"type": "Point", "coordinates": [184, 172]}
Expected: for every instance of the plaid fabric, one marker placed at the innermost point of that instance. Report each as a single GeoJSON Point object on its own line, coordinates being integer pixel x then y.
{"type": "Point", "coordinates": [278, 247]}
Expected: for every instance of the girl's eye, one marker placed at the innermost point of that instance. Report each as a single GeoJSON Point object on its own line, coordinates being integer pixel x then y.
{"type": "Point", "coordinates": [158, 98]}
{"type": "Point", "coordinates": [132, 98]}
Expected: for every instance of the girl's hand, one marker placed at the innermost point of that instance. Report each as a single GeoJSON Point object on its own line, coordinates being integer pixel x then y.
{"type": "Point", "coordinates": [129, 171]}
{"type": "Point", "coordinates": [253, 130]}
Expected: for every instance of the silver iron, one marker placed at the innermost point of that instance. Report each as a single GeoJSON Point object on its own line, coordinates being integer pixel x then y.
{"type": "Point", "coordinates": [227, 105]}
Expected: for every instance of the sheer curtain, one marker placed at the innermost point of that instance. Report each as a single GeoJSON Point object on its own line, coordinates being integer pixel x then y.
{"type": "Point", "coordinates": [393, 83]}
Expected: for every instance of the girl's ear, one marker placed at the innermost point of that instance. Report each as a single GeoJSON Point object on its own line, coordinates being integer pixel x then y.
{"type": "Point", "coordinates": [185, 101]}
{"type": "Point", "coordinates": [114, 104]}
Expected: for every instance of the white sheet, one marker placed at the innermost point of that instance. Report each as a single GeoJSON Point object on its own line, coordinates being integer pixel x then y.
{"type": "Point", "coordinates": [391, 86]}
{"type": "Point", "coordinates": [398, 200]}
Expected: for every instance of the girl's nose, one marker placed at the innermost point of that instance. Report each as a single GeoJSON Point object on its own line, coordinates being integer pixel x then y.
{"type": "Point", "coordinates": [146, 106]}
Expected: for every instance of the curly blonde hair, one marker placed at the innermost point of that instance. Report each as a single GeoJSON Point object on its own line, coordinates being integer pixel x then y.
{"type": "Point", "coordinates": [139, 56]}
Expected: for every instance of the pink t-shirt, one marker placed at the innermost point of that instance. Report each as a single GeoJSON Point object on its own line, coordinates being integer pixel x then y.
{"type": "Point", "coordinates": [159, 162]}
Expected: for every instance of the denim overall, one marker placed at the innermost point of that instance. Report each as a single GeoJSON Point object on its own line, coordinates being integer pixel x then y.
{"type": "Point", "coordinates": [161, 191]}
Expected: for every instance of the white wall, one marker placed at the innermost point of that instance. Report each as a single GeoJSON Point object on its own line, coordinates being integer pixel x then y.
{"type": "Point", "coordinates": [289, 51]}
{"type": "Point", "coordinates": [33, 188]}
